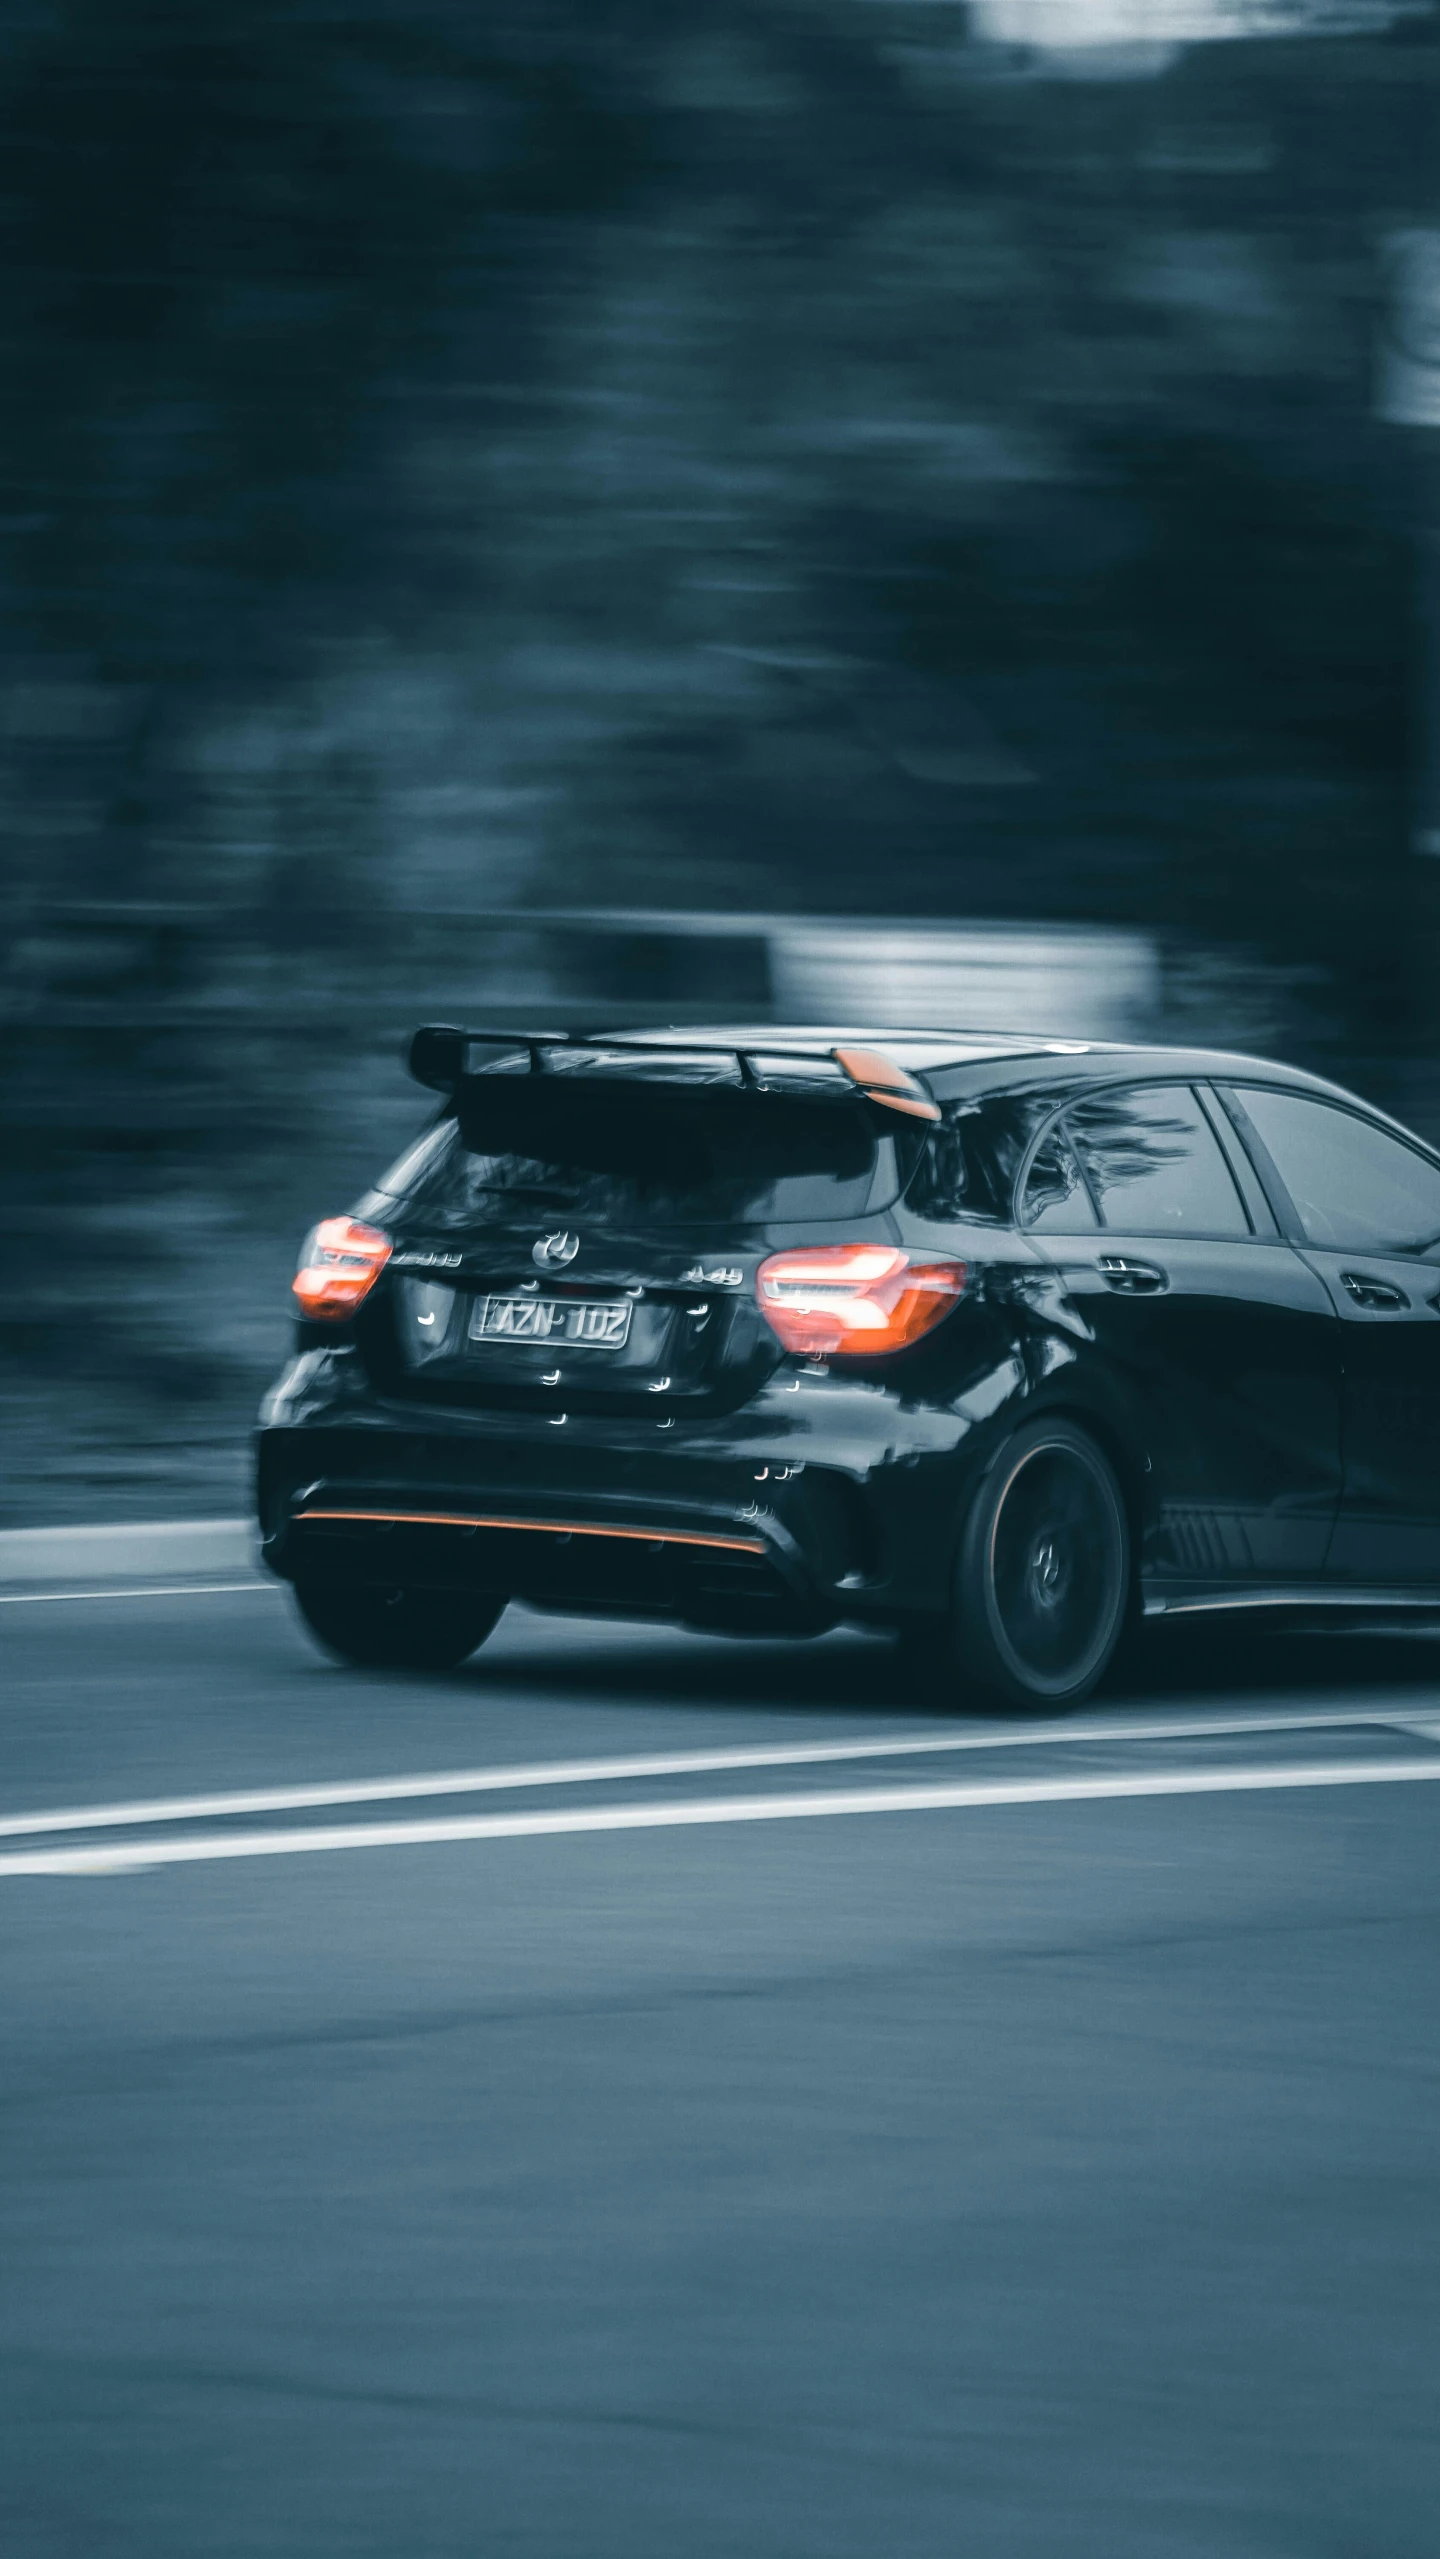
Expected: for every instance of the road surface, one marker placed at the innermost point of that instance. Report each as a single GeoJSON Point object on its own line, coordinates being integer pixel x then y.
{"type": "Point", "coordinates": [742, 2112]}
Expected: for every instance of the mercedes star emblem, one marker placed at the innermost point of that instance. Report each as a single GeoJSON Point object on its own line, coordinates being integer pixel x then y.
{"type": "Point", "coordinates": [552, 1252]}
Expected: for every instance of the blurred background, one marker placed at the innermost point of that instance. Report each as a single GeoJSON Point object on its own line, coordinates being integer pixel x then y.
{"type": "Point", "coordinates": [925, 509]}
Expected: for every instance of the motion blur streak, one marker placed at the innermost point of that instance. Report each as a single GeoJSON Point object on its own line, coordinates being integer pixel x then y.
{"type": "Point", "coordinates": [917, 511]}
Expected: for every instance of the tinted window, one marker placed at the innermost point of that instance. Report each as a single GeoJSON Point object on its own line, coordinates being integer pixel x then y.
{"type": "Point", "coordinates": [644, 1156]}
{"type": "Point", "coordinates": [1355, 1187]}
{"type": "Point", "coordinates": [1056, 1201]}
{"type": "Point", "coordinates": [1154, 1163]}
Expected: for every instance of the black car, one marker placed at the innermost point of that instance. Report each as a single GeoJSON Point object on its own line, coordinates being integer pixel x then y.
{"type": "Point", "coordinates": [1000, 1342]}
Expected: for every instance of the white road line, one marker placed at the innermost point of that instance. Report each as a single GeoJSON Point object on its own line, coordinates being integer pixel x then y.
{"type": "Point", "coordinates": [140, 1590]}
{"type": "Point", "coordinates": [216, 1846]}
{"type": "Point", "coordinates": [680, 1763]}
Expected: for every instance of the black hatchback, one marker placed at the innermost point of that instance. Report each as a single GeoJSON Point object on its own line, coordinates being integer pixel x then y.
{"type": "Point", "coordinates": [999, 1342]}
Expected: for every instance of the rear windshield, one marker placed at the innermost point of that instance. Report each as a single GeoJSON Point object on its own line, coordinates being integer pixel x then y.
{"type": "Point", "coordinates": [646, 1156]}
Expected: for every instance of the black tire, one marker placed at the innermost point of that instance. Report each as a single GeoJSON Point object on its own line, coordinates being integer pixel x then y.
{"type": "Point", "coordinates": [396, 1629]}
{"type": "Point", "coordinates": [1043, 1588]}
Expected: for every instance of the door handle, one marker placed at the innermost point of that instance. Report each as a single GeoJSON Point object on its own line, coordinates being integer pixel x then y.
{"type": "Point", "coordinates": [1132, 1279]}
{"type": "Point", "coordinates": [1378, 1294]}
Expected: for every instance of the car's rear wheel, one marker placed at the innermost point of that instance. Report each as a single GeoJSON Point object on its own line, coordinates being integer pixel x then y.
{"type": "Point", "coordinates": [377, 1629]}
{"type": "Point", "coordinates": [1044, 1575]}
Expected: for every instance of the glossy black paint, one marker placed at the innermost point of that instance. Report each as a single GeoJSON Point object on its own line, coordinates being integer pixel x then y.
{"type": "Point", "coordinates": [1273, 1434]}
{"type": "Point", "coordinates": [1390, 1525]}
{"type": "Point", "coordinates": [1387, 1306]}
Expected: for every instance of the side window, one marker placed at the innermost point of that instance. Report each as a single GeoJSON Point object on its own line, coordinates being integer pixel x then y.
{"type": "Point", "coordinates": [1056, 1201]}
{"type": "Point", "coordinates": [1154, 1163]}
{"type": "Point", "coordinates": [1355, 1188]}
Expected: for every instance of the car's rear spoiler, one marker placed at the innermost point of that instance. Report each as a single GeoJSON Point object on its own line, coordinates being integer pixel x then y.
{"type": "Point", "coordinates": [440, 1058]}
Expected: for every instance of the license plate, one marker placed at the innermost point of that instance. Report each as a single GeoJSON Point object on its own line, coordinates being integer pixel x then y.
{"type": "Point", "coordinates": [556, 1323]}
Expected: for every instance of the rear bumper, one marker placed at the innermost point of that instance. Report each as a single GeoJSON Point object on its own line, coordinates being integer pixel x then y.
{"type": "Point", "coordinates": [731, 1524]}
{"type": "Point", "coordinates": [633, 1565]}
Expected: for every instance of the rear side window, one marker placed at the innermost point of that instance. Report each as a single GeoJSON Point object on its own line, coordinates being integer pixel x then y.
{"type": "Point", "coordinates": [1153, 1163]}
{"type": "Point", "coordinates": [1355, 1187]}
{"type": "Point", "coordinates": [1141, 1162]}
{"type": "Point", "coordinates": [644, 1156]}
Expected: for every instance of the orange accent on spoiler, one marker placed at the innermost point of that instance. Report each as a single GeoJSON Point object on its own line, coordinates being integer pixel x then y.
{"type": "Point", "coordinates": [867, 1066]}
{"type": "Point", "coordinates": [552, 1527]}
{"type": "Point", "coordinates": [916, 1108]}
{"type": "Point", "coordinates": [881, 1080]}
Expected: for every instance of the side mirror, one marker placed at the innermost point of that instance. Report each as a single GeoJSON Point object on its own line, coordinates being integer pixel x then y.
{"type": "Point", "coordinates": [437, 1057]}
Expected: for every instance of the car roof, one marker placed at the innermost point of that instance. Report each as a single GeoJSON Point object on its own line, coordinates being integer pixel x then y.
{"type": "Point", "coordinates": [980, 1061]}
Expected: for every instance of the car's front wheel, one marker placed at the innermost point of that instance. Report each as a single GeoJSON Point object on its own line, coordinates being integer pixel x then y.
{"type": "Point", "coordinates": [1044, 1575]}
{"type": "Point", "coordinates": [396, 1629]}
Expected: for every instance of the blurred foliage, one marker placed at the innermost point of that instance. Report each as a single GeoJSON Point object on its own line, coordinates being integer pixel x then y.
{"type": "Point", "coordinates": [789, 457]}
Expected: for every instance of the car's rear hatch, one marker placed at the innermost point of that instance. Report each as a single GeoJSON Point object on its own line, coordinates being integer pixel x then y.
{"type": "Point", "coordinates": [581, 1231]}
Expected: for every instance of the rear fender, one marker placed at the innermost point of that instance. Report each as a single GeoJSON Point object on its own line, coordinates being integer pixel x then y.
{"type": "Point", "coordinates": [1101, 1406]}
{"type": "Point", "coordinates": [1094, 1403]}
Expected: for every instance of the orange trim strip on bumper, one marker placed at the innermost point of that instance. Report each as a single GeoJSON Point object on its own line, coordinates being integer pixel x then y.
{"type": "Point", "coordinates": [554, 1527]}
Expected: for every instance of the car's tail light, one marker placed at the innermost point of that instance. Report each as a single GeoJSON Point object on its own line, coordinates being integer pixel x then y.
{"type": "Point", "coordinates": [862, 1298]}
{"type": "Point", "coordinates": [340, 1261]}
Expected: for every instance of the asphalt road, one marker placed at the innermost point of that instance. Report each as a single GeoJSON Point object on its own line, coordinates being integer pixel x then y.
{"type": "Point", "coordinates": [1050, 2168]}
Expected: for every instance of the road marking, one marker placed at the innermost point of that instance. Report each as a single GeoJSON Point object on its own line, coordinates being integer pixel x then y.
{"type": "Point", "coordinates": [509, 1779]}
{"type": "Point", "coordinates": [129, 1856]}
{"type": "Point", "coordinates": [140, 1590]}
